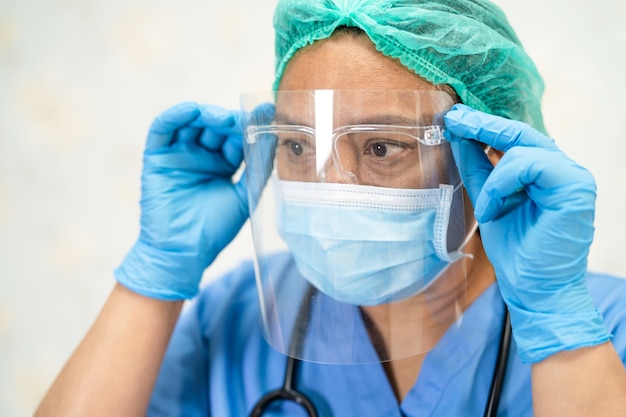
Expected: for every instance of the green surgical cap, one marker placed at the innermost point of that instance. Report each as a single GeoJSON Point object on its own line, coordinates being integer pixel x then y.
{"type": "Point", "coordinates": [466, 44]}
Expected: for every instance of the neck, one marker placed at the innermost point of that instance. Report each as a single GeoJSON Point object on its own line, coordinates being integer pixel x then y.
{"type": "Point", "coordinates": [409, 328]}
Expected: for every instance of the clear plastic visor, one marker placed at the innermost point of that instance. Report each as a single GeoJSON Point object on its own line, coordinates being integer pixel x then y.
{"type": "Point", "coordinates": [358, 217]}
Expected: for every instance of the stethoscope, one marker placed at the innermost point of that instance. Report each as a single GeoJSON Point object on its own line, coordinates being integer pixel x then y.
{"type": "Point", "coordinates": [288, 391]}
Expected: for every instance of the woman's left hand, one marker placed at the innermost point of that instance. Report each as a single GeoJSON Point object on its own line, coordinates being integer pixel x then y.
{"type": "Point", "coordinates": [535, 209]}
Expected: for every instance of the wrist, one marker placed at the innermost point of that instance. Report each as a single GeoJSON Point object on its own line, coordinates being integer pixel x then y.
{"type": "Point", "coordinates": [560, 321]}
{"type": "Point", "coordinates": [159, 274]}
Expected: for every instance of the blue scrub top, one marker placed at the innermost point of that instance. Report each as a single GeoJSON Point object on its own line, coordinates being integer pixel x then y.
{"type": "Point", "coordinates": [218, 364]}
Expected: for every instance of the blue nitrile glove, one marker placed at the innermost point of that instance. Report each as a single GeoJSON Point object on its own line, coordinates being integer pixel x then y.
{"type": "Point", "coordinates": [535, 211]}
{"type": "Point", "coordinates": [190, 207]}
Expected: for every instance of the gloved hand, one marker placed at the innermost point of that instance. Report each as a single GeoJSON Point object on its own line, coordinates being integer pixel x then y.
{"type": "Point", "coordinates": [535, 210]}
{"type": "Point", "coordinates": [190, 208]}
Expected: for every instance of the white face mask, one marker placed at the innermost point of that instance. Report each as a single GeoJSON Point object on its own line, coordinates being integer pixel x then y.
{"type": "Point", "coordinates": [366, 245]}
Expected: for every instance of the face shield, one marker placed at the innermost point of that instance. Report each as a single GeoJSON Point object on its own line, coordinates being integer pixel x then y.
{"type": "Point", "coordinates": [359, 220]}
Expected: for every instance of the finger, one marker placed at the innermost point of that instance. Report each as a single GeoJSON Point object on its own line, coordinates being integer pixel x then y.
{"type": "Point", "coordinates": [216, 116]}
{"type": "Point", "coordinates": [187, 159]}
{"type": "Point", "coordinates": [241, 190]}
{"type": "Point", "coordinates": [233, 149]}
{"type": "Point", "coordinates": [186, 134]}
{"type": "Point", "coordinates": [216, 123]}
{"type": "Point", "coordinates": [263, 114]}
{"type": "Point", "coordinates": [163, 128]}
{"type": "Point", "coordinates": [226, 136]}
{"type": "Point", "coordinates": [211, 139]}
{"type": "Point", "coordinates": [500, 133]}
{"type": "Point", "coordinates": [473, 165]}
{"type": "Point", "coordinates": [547, 176]}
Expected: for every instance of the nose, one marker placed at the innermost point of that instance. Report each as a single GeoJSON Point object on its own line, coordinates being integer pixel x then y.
{"type": "Point", "coordinates": [338, 171]}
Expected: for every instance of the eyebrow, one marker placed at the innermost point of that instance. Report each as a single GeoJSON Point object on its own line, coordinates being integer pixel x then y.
{"type": "Point", "coordinates": [283, 119]}
{"type": "Point", "coordinates": [382, 119]}
{"type": "Point", "coordinates": [395, 119]}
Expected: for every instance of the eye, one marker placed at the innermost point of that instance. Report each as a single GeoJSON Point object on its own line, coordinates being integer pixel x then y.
{"type": "Point", "coordinates": [385, 148]}
{"type": "Point", "coordinates": [379, 149]}
{"type": "Point", "coordinates": [295, 147]}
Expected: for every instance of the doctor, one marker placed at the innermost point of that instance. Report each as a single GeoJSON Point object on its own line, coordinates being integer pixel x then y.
{"type": "Point", "coordinates": [534, 208]}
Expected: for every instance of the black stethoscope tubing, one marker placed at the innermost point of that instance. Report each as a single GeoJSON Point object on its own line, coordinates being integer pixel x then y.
{"type": "Point", "coordinates": [499, 372]}
{"type": "Point", "coordinates": [288, 391]}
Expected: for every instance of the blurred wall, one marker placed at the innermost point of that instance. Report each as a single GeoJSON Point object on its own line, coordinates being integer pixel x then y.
{"type": "Point", "coordinates": [80, 82]}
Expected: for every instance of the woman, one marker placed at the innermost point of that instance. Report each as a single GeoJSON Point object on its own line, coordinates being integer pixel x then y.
{"type": "Point", "coordinates": [534, 211]}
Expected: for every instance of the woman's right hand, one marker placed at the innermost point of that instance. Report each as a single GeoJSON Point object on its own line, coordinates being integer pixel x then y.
{"type": "Point", "coordinates": [190, 207]}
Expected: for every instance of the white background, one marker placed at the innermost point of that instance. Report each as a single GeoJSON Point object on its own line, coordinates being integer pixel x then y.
{"type": "Point", "coordinates": [80, 82]}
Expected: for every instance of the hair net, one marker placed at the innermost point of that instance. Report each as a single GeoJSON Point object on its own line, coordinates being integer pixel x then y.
{"type": "Point", "coordinates": [466, 44]}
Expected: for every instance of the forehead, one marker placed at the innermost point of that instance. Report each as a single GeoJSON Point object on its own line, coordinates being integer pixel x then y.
{"type": "Point", "coordinates": [371, 85]}
{"type": "Point", "coordinates": [350, 107]}
{"type": "Point", "coordinates": [345, 62]}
